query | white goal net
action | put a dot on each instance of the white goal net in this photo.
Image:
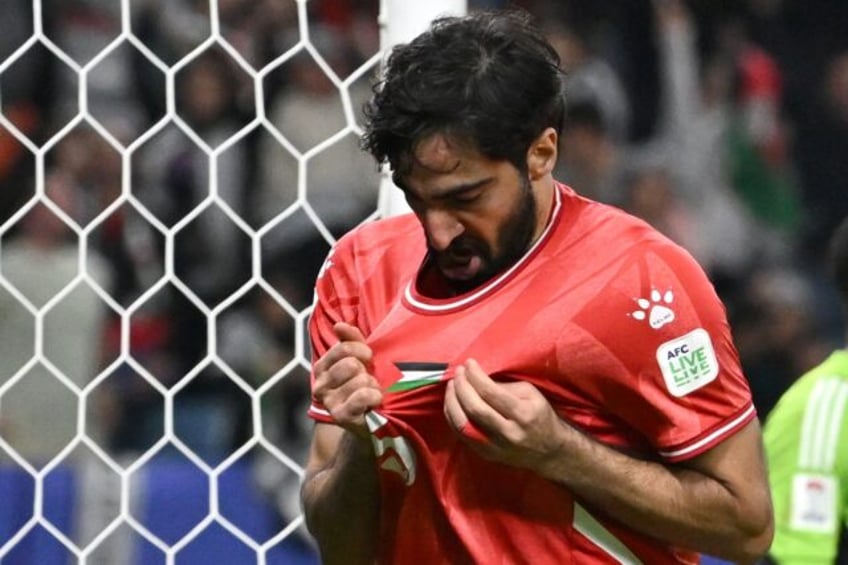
(172, 174)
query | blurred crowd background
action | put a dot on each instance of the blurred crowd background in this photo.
(724, 123)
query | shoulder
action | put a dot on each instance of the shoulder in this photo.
(382, 236)
(371, 242)
(633, 272)
(634, 255)
(381, 247)
(599, 226)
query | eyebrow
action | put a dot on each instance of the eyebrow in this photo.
(458, 189)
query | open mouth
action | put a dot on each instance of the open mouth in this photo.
(460, 266)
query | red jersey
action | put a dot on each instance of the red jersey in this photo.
(617, 326)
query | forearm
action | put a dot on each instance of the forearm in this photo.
(681, 506)
(341, 504)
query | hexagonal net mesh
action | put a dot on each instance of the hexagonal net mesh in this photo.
(172, 174)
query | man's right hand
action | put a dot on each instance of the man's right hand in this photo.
(343, 382)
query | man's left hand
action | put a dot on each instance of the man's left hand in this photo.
(507, 422)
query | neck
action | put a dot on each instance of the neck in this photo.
(543, 189)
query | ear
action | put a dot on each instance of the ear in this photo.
(542, 155)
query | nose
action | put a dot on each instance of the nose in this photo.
(441, 228)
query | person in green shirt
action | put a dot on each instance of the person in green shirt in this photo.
(806, 441)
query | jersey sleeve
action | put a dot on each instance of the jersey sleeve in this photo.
(335, 300)
(806, 437)
(669, 368)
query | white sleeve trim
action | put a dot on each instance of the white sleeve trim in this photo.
(711, 437)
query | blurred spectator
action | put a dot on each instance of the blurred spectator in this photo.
(695, 122)
(210, 252)
(27, 87)
(822, 146)
(82, 29)
(15, 29)
(257, 340)
(774, 333)
(589, 77)
(649, 193)
(171, 29)
(307, 112)
(174, 178)
(688, 151)
(590, 160)
(40, 260)
(352, 21)
(761, 170)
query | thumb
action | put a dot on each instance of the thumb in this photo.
(347, 332)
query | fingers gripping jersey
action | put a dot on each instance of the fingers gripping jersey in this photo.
(617, 326)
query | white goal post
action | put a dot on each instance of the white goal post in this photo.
(400, 21)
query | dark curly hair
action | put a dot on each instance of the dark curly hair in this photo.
(489, 79)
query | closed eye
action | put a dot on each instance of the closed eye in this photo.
(466, 198)
(468, 194)
(462, 196)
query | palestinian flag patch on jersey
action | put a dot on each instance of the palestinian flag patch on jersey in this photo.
(415, 374)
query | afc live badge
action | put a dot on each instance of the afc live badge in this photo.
(688, 362)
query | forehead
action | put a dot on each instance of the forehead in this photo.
(440, 160)
(439, 153)
(440, 164)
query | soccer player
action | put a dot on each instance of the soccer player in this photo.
(514, 373)
(806, 439)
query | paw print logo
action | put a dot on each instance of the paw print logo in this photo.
(655, 309)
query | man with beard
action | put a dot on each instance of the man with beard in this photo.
(514, 373)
